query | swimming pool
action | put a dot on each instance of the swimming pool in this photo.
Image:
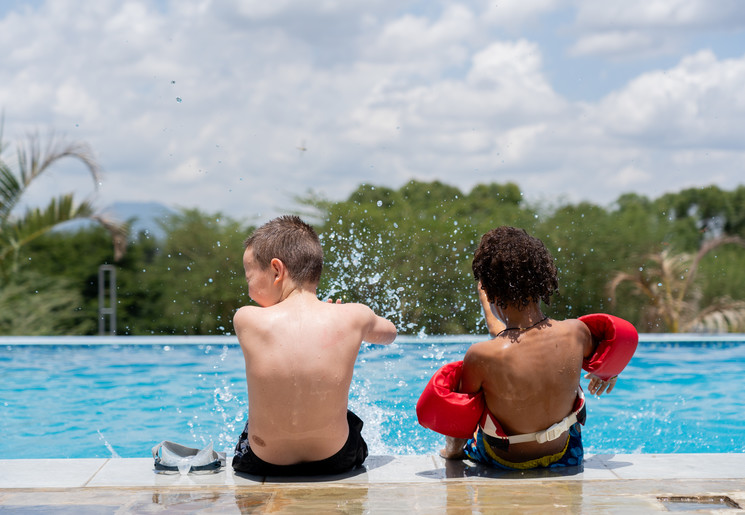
(119, 398)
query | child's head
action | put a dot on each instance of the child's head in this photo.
(293, 242)
(514, 268)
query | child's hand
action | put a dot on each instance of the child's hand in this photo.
(597, 386)
(331, 301)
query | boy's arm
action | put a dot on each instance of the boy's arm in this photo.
(596, 386)
(470, 382)
(379, 330)
(493, 324)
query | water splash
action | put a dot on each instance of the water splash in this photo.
(108, 445)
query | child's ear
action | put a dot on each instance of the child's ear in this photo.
(278, 269)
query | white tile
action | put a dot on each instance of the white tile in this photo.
(596, 467)
(679, 466)
(408, 469)
(140, 472)
(133, 472)
(48, 473)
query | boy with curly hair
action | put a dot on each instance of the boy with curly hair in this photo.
(299, 353)
(530, 371)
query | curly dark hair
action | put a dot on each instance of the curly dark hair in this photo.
(514, 268)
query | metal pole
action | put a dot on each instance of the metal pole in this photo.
(103, 309)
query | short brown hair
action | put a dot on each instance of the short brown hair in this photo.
(293, 242)
(514, 268)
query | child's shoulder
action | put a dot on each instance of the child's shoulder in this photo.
(356, 307)
(248, 314)
(352, 312)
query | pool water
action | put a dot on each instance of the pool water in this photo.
(76, 401)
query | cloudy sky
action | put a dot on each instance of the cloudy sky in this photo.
(239, 106)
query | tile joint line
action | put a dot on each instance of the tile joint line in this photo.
(96, 472)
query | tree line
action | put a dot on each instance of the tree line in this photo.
(673, 263)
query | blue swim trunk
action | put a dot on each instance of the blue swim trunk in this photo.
(478, 450)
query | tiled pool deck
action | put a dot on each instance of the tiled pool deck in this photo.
(621, 483)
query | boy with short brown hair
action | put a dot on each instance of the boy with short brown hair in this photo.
(300, 354)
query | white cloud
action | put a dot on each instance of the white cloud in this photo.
(660, 14)
(696, 103)
(630, 176)
(616, 42)
(634, 28)
(379, 93)
(515, 14)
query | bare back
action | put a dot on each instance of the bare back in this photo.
(530, 379)
(300, 357)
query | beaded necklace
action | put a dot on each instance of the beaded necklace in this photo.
(521, 328)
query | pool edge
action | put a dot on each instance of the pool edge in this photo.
(138, 472)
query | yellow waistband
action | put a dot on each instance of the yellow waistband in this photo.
(543, 461)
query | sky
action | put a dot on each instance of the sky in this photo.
(240, 107)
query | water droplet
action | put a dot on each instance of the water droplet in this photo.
(178, 99)
(380, 203)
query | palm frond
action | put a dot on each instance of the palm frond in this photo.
(10, 191)
(674, 296)
(119, 234)
(33, 160)
(36, 221)
(724, 315)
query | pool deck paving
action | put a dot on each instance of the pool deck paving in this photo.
(605, 483)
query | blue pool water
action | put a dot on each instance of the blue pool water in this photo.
(113, 399)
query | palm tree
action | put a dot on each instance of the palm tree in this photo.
(674, 296)
(32, 161)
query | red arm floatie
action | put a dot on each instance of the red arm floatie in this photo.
(442, 409)
(618, 339)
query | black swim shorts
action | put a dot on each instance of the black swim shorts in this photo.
(351, 456)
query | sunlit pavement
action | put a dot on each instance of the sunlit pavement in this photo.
(387, 484)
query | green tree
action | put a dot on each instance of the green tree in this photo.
(72, 257)
(405, 252)
(191, 281)
(38, 305)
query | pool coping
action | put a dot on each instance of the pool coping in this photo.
(139, 472)
(83, 340)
